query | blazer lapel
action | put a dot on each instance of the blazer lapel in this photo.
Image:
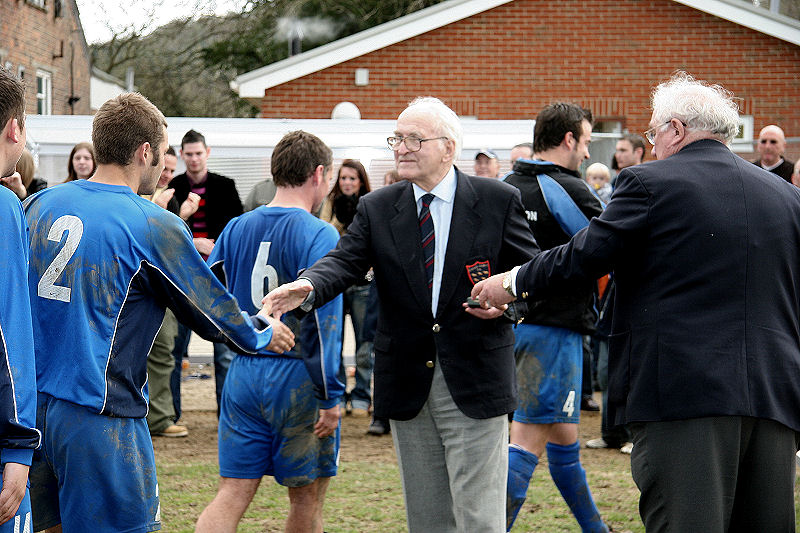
(405, 230)
(463, 227)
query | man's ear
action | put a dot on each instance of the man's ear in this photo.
(143, 151)
(569, 140)
(318, 176)
(13, 131)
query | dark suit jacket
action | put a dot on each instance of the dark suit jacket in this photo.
(705, 248)
(222, 200)
(476, 356)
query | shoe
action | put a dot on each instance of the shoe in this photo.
(379, 427)
(173, 431)
(597, 443)
(627, 448)
(588, 404)
(359, 413)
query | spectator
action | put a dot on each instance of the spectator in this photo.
(771, 146)
(521, 151)
(487, 165)
(599, 177)
(351, 184)
(24, 182)
(796, 175)
(262, 193)
(218, 203)
(391, 177)
(81, 163)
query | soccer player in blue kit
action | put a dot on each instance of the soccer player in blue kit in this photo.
(280, 413)
(104, 265)
(18, 438)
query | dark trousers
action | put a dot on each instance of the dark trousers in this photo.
(179, 352)
(725, 474)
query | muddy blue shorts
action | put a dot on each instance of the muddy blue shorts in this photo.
(21, 522)
(266, 423)
(93, 472)
(549, 373)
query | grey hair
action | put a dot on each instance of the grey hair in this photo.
(700, 106)
(445, 120)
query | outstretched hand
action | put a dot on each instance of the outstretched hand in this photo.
(285, 298)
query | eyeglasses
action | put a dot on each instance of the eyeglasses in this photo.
(413, 144)
(650, 134)
(770, 141)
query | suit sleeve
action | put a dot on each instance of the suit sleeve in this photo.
(347, 263)
(18, 436)
(321, 334)
(196, 296)
(593, 251)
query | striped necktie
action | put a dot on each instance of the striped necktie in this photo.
(428, 237)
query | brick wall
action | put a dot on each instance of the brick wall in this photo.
(508, 62)
(31, 36)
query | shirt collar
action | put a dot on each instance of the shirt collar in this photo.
(445, 190)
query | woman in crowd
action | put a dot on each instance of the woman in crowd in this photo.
(339, 209)
(81, 162)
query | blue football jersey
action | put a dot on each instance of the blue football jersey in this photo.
(268, 247)
(18, 437)
(104, 265)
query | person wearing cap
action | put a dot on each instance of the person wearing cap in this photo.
(487, 165)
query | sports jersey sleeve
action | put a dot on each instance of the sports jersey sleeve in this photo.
(196, 296)
(18, 436)
(321, 333)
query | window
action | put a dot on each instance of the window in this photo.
(37, 3)
(44, 93)
(743, 142)
(21, 72)
(58, 8)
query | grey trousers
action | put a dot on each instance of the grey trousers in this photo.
(721, 474)
(453, 467)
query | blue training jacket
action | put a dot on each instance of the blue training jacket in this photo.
(104, 265)
(18, 437)
(270, 246)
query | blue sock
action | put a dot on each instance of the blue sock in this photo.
(521, 464)
(570, 478)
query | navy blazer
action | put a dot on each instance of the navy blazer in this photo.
(705, 247)
(476, 356)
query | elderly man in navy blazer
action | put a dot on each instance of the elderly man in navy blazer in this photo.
(444, 372)
(704, 362)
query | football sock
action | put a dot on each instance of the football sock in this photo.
(521, 464)
(570, 478)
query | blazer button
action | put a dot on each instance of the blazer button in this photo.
(436, 329)
(429, 364)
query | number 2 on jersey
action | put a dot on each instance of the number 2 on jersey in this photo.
(262, 270)
(47, 287)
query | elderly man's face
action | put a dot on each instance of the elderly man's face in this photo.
(486, 167)
(771, 145)
(431, 162)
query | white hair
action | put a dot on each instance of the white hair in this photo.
(700, 106)
(445, 120)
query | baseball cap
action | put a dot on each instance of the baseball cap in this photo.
(488, 153)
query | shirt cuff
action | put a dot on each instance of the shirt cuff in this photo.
(308, 303)
(23, 456)
(514, 272)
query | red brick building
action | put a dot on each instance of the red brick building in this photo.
(43, 42)
(505, 59)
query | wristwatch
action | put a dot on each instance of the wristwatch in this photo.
(507, 284)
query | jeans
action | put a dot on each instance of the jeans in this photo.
(357, 304)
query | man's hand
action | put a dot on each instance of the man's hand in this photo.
(490, 292)
(15, 479)
(286, 297)
(164, 198)
(328, 422)
(485, 314)
(189, 206)
(203, 245)
(282, 336)
(14, 182)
